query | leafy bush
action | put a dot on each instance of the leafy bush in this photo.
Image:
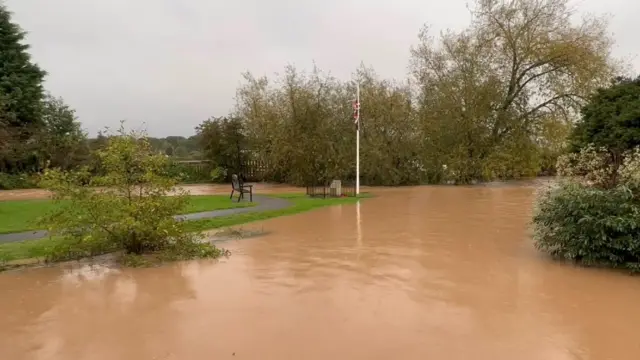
(223, 141)
(219, 175)
(593, 215)
(76, 247)
(131, 211)
(592, 165)
(18, 181)
(590, 225)
(189, 173)
(611, 118)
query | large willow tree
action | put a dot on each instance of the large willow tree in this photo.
(495, 96)
(496, 100)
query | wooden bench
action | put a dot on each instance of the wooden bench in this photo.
(241, 188)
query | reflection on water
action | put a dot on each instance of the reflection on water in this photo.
(416, 273)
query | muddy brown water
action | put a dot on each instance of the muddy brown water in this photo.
(193, 189)
(415, 273)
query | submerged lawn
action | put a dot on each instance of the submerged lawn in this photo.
(23, 215)
(299, 203)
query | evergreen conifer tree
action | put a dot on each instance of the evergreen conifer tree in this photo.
(21, 80)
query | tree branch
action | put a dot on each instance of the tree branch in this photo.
(550, 101)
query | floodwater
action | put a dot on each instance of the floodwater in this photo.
(415, 273)
(193, 189)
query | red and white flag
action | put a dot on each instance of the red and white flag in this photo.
(356, 113)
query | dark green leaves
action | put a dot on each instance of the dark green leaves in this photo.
(611, 118)
(589, 225)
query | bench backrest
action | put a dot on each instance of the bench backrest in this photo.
(235, 182)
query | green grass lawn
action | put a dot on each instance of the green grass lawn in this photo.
(299, 203)
(23, 215)
(31, 249)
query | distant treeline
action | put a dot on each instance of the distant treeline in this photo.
(179, 147)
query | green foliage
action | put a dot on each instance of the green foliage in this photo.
(34, 249)
(219, 174)
(494, 100)
(18, 181)
(74, 248)
(20, 79)
(24, 215)
(190, 172)
(177, 147)
(35, 128)
(224, 144)
(134, 260)
(592, 165)
(492, 96)
(611, 119)
(189, 250)
(593, 215)
(302, 129)
(512, 160)
(594, 226)
(299, 128)
(131, 212)
(490, 101)
(21, 93)
(62, 142)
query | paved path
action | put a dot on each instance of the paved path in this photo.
(265, 203)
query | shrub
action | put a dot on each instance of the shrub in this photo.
(18, 181)
(592, 165)
(188, 173)
(131, 211)
(593, 215)
(589, 225)
(611, 118)
(219, 175)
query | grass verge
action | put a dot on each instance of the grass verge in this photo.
(299, 203)
(23, 215)
(38, 249)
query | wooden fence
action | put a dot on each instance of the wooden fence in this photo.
(254, 170)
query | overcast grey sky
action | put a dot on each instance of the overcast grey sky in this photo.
(173, 63)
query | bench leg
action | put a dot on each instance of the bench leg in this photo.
(251, 195)
(240, 196)
(231, 197)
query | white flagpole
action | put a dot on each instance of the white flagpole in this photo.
(358, 140)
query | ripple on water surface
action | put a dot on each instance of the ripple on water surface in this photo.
(415, 273)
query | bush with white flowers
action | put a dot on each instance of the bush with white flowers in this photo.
(591, 215)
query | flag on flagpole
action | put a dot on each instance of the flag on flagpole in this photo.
(356, 113)
(356, 121)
